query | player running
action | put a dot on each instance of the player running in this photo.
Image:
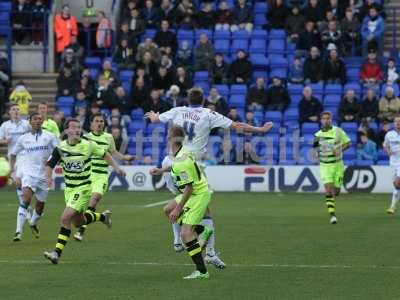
(49, 125)
(330, 143)
(37, 145)
(99, 176)
(75, 155)
(190, 210)
(392, 148)
(197, 123)
(10, 131)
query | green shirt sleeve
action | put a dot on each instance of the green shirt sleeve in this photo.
(111, 147)
(97, 150)
(344, 138)
(183, 172)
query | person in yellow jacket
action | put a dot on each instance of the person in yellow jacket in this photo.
(48, 125)
(21, 97)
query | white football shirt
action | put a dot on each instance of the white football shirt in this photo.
(197, 123)
(36, 148)
(13, 130)
(392, 141)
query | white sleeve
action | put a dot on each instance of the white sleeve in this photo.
(168, 115)
(218, 120)
(2, 132)
(386, 141)
(18, 146)
(54, 141)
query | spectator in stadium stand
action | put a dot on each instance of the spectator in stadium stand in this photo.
(314, 12)
(310, 37)
(336, 8)
(278, 98)
(66, 82)
(108, 73)
(203, 54)
(350, 27)
(80, 100)
(332, 35)
(90, 81)
(367, 5)
(219, 70)
(65, 26)
(124, 56)
(20, 19)
(154, 103)
(334, 69)
(296, 71)
(137, 24)
(58, 117)
(163, 80)
(141, 73)
(121, 144)
(257, 97)
(126, 34)
(168, 12)
(77, 49)
(184, 55)
(172, 96)
(127, 7)
(241, 69)
(123, 104)
(5, 81)
(87, 34)
(309, 107)
(187, 23)
(369, 107)
(301, 4)
(166, 62)
(349, 108)
(115, 118)
(294, 24)
(380, 138)
(366, 129)
(166, 39)
(183, 80)
(391, 75)
(277, 15)
(242, 17)
(104, 31)
(372, 30)
(21, 96)
(185, 8)
(82, 116)
(148, 46)
(217, 101)
(69, 59)
(313, 67)
(205, 18)
(323, 25)
(105, 93)
(223, 16)
(151, 14)
(371, 74)
(389, 105)
(234, 115)
(367, 149)
(140, 93)
(86, 87)
(148, 65)
(39, 10)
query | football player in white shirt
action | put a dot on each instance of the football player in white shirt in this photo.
(392, 147)
(197, 122)
(10, 131)
(38, 146)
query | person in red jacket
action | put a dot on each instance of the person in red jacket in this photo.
(371, 71)
(65, 26)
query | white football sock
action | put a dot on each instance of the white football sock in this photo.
(20, 195)
(176, 228)
(35, 218)
(208, 222)
(395, 198)
(21, 218)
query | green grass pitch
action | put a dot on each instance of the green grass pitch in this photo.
(276, 246)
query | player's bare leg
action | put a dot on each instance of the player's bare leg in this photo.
(176, 228)
(94, 200)
(395, 196)
(22, 213)
(330, 192)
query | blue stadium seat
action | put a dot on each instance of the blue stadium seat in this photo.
(382, 163)
(137, 114)
(92, 62)
(258, 46)
(260, 20)
(394, 86)
(199, 32)
(290, 50)
(278, 72)
(278, 62)
(189, 42)
(317, 88)
(94, 73)
(65, 101)
(149, 33)
(295, 100)
(366, 162)
(331, 100)
(353, 86)
(382, 155)
(201, 76)
(239, 45)
(183, 34)
(203, 85)
(349, 127)
(259, 74)
(295, 89)
(136, 126)
(259, 116)
(126, 75)
(291, 114)
(259, 61)
(223, 89)
(222, 35)
(350, 154)
(353, 62)
(353, 74)
(259, 34)
(238, 101)
(273, 116)
(240, 35)
(277, 34)
(240, 89)
(336, 89)
(260, 7)
(222, 46)
(66, 110)
(308, 127)
(127, 87)
(5, 6)
(276, 46)
(306, 156)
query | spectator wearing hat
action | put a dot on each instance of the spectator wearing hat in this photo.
(313, 67)
(241, 69)
(334, 69)
(278, 98)
(349, 108)
(296, 71)
(217, 101)
(257, 96)
(309, 107)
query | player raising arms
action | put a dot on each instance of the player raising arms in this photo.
(10, 131)
(392, 147)
(330, 143)
(75, 155)
(99, 176)
(38, 145)
(197, 123)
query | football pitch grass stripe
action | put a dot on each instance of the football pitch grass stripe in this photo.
(156, 203)
(250, 266)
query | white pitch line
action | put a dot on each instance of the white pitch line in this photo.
(156, 204)
(258, 266)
